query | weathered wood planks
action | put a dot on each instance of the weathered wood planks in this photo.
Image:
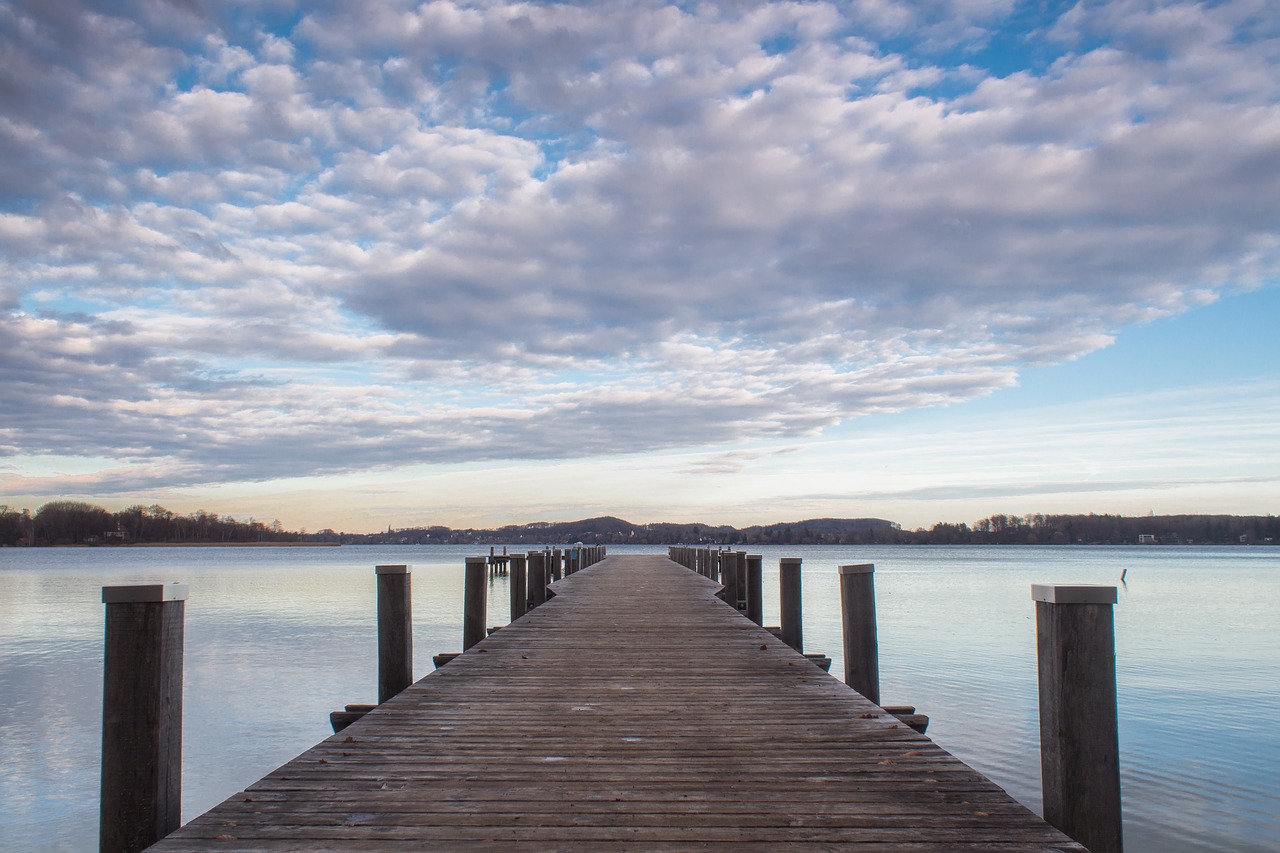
(634, 711)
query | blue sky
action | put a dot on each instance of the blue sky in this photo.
(477, 263)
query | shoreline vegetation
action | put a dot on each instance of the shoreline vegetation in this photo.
(75, 523)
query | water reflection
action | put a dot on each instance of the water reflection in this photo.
(276, 638)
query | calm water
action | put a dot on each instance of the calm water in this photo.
(277, 638)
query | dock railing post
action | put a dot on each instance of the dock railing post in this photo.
(519, 587)
(791, 607)
(395, 631)
(729, 577)
(1079, 736)
(755, 588)
(858, 620)
(141, 715)
(537, 578)
(743, 593)
(474, 593)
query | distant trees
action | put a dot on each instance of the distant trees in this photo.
(999, 529)
(1037, 529)
(16, 528)
(79, 523)
(72, 523)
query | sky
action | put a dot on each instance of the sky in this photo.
(476, 263)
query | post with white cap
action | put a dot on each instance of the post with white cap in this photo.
(1079, 738)
(791, 613)
(395, 631)
(141, 715)
(861, 646)
(474, 601)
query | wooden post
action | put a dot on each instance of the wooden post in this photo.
(858, 619)
(791, 610)
(537, 578)
(519, 589)
(557, 560)
(741, 565)
(395, 631)
(474, 593)
(141, 715)
(755, 588)
(1079, 737)
(729, 577)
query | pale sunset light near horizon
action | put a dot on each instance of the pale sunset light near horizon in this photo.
(408, 263)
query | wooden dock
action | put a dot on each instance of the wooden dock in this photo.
(634, 711)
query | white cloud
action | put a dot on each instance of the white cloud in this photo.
(667, 227)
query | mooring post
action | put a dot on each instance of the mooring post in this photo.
(741, 565)
(858, 620)
(1079, 736)
(791, 608)
(537, 578)
(557, 561)
(729, 577)
(755, 588)
(395, 631)
(141, 715)
(474, 593)
(519, 589)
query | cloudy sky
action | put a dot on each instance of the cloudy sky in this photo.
(351, 265)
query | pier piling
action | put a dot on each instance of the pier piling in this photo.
(729, 577)
(537, 571)
(519, 587)
(791, 607)
(395, 631)
(755, 588)
(141, 715)
(474, 593)
(858, 618)
(1079, 737)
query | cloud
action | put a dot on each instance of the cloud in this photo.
(240, 247)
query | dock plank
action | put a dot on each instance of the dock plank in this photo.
(633, 711)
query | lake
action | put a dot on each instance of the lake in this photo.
(278, 637)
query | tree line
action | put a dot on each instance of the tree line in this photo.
(1038, 529)
(1000, 529)
(79, 523)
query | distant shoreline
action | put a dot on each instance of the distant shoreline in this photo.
(222, 545)
(194, 545)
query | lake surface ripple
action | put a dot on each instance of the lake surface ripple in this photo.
(278, 637)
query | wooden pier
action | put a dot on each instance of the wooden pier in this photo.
(633, 711)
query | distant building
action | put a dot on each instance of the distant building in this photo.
(1146, 539)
